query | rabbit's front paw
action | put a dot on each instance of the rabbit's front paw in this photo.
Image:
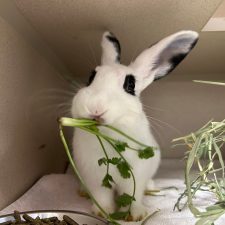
(150, 185)
(138, 212)
(108, 209)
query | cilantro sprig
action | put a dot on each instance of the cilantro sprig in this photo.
(121, 164)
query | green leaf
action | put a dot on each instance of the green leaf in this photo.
(146, 153)
(119, 215)
(114, 160)
(124, 169)
(107, 180)
(120, 146)
(102, 161)
(124, 200)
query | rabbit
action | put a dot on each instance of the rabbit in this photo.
(112, 96)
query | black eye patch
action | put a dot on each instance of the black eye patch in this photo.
(92, 77)
(129, 84)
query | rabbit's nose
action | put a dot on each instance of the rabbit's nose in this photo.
(98, 116)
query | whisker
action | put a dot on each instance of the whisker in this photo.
(152, 125)
(66, 112)
(155, 122)
(55, 109)
(162, 122)
(57, 91)
(167, 124)
(51, 97)
(71, 79)
(158, 135)
(58, 105)
(154, 108)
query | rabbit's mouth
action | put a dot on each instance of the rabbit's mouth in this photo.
(99, 117)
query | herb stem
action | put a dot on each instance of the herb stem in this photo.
(77, 172)
(134, 181)
(95, 133)
(104, 150)
(125, 135)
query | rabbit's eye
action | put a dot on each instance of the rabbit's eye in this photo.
(92, 77)
(129, 84)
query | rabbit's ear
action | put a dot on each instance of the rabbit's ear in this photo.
(110, 49)
(161, 58)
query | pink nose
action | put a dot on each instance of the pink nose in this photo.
(97, 116)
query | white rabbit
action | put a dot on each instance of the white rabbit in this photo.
(112, 97)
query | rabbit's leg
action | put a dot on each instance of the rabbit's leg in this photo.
(138, 210)
(105, 198)
(82, 192)
(150, 185)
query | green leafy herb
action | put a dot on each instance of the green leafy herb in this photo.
(124, 169)
(124, 200)
(121, 146)
(107, 180)
(119, 162)
(114, 160)
(146, 153)
(102, 161)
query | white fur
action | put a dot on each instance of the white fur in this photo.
(123, 111)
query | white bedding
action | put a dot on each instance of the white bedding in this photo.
(59, 191)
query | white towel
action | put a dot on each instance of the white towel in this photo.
(60, 191)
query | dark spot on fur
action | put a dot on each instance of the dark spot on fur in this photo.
(116, 44)
(92, 77)
(129, 84)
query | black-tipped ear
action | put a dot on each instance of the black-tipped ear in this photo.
(110, 49)
(174, 53)
(161, 58)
